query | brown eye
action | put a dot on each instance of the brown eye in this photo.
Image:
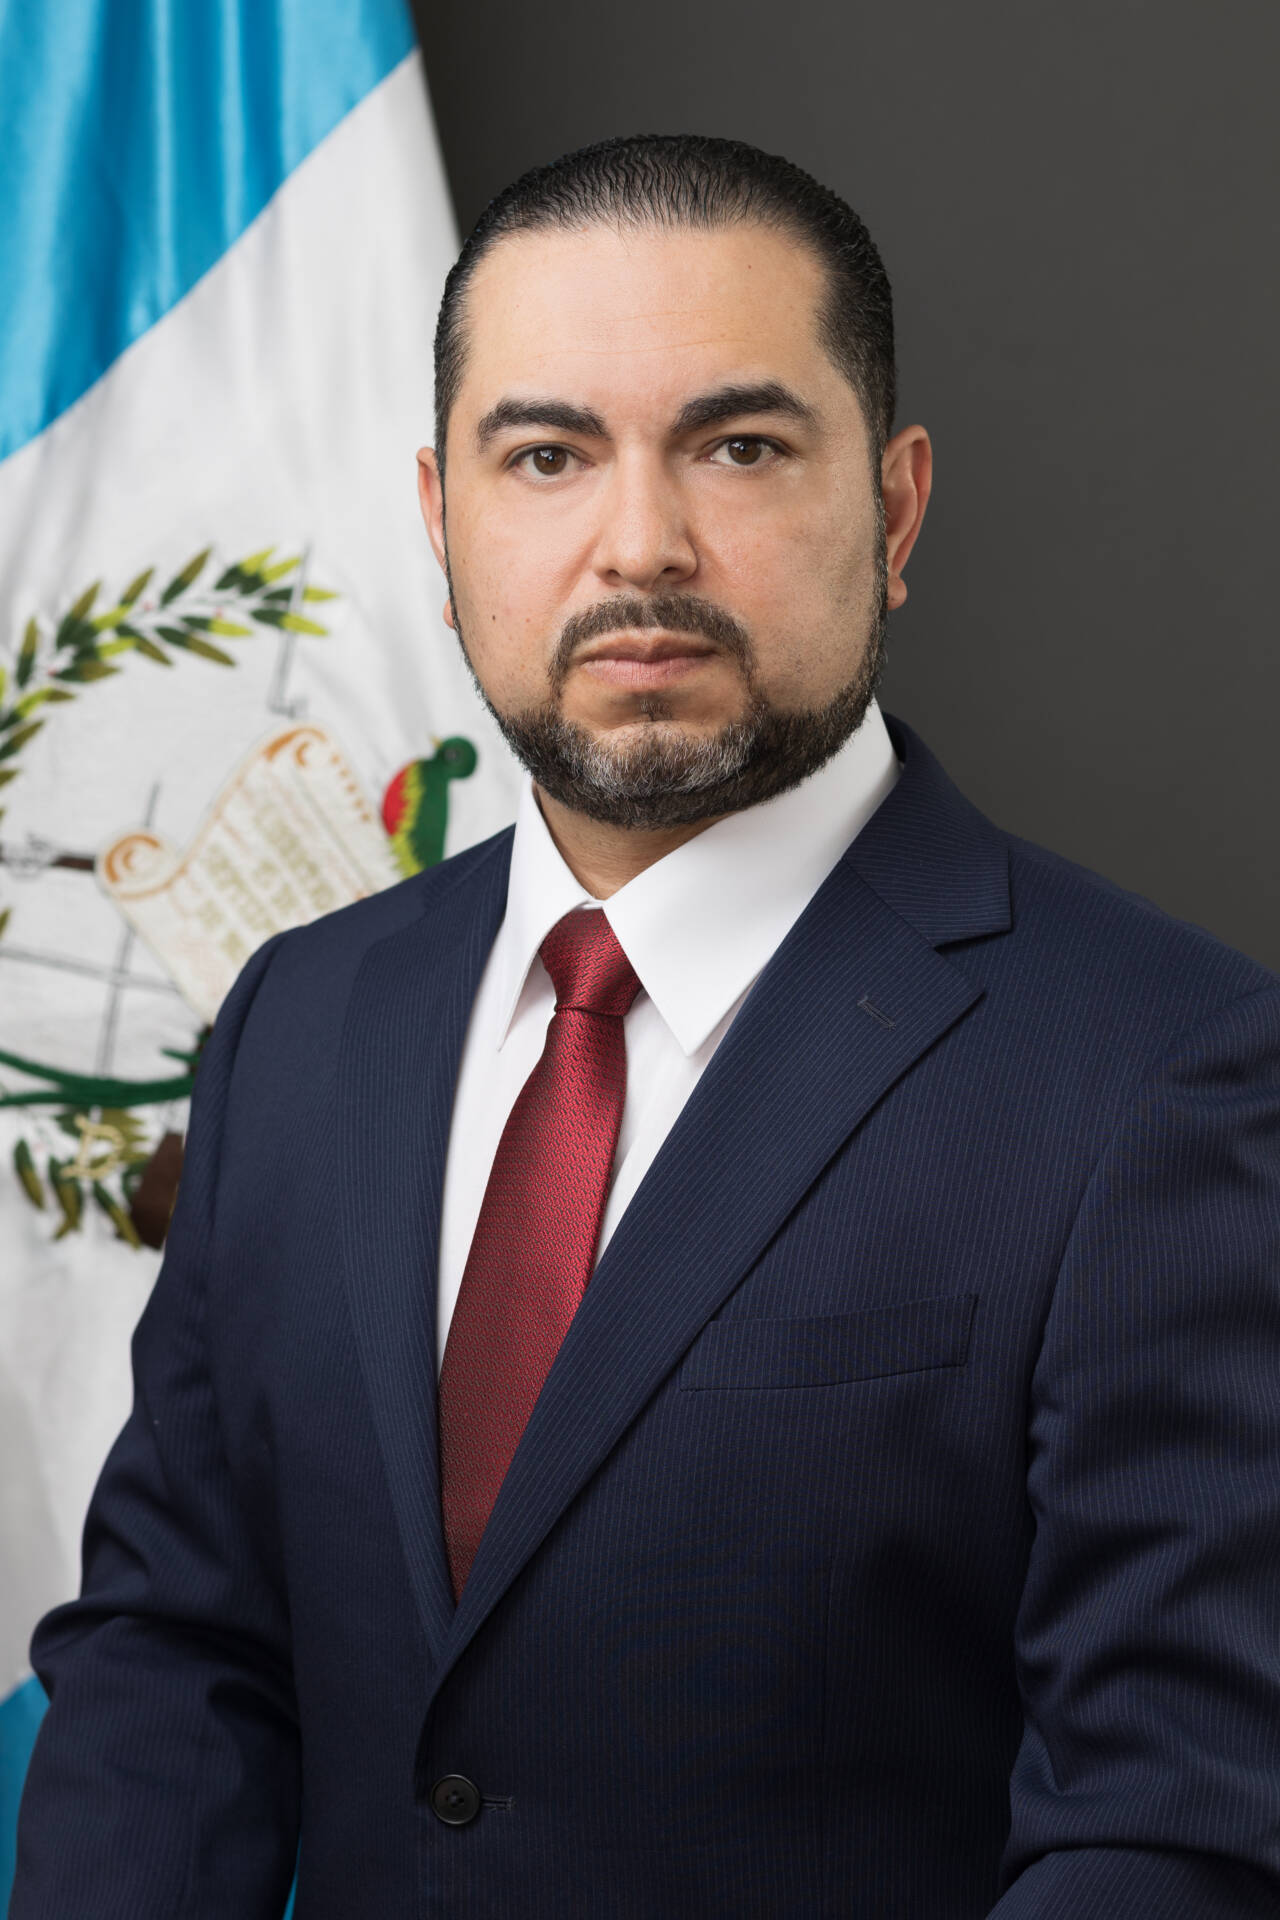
(547, 460)
(746, 450)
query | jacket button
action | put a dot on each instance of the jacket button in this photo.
(455, 1799)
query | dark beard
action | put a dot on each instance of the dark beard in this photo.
(659, 777)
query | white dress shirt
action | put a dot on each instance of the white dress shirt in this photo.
(698, 926)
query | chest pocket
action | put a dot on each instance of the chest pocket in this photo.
(826, 1351)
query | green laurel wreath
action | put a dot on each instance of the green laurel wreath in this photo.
(71, 1191)
(184, 617)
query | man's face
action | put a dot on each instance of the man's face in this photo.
(665, 548)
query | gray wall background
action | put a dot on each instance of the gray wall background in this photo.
(1077, 207)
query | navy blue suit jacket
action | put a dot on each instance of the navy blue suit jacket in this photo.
(897, 1534)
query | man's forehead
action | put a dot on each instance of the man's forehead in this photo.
(610, 307)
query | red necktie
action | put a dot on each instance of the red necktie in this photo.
(535, 1241)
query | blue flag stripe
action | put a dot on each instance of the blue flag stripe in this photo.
(20, 1716)
(142, 137)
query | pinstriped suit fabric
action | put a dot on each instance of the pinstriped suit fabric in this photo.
(896, 1533)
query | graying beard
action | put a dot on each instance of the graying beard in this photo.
(656, 763)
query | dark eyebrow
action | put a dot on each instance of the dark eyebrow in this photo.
(732, 402)
(708, 410)
(538, 413)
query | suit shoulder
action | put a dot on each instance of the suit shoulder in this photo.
(319, 959)
(1109, 938)
(1068, 934)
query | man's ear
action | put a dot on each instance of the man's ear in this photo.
(431, 500)
(906, 481)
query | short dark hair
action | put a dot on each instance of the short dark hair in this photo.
(694, 180)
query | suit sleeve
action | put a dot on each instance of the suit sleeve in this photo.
(1148, 1642)
(165, 1775)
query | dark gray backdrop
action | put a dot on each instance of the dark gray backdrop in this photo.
(1078, 210)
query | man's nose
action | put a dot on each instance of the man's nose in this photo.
(645, 539)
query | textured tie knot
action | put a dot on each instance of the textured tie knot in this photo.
(588, 968)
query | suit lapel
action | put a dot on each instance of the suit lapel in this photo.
(854, 996)
(398, 1064)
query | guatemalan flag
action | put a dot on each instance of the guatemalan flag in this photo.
(227, 699)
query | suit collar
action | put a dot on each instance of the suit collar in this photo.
(397, 1064)
(930, 855)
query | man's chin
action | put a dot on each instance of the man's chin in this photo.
(650, 734)
(649, 772)
(656, 772)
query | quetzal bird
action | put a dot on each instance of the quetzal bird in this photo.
(415, 806)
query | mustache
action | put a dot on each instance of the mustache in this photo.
(672, 612)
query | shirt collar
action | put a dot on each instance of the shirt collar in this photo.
(701, 923)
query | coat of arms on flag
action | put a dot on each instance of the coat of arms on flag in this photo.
(227, 700)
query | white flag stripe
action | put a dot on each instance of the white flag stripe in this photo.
(278, 404)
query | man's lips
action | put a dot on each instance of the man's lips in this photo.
(645, 660)
(646, 646)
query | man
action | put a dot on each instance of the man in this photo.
(849, 1237)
